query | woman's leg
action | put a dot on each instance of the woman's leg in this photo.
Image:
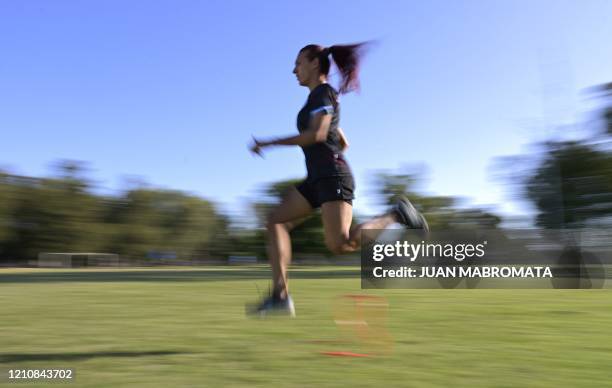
(282, 219)
(337, 218)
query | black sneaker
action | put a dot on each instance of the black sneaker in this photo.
(409, 216)
(273, 306)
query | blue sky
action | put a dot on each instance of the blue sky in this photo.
(171, 91)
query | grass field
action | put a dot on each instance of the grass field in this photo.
(187, 327)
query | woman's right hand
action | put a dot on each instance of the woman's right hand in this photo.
(256, 147)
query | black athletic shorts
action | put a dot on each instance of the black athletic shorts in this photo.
(320, 190)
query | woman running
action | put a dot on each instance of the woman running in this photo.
(329, 184)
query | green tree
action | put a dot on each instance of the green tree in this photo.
(61, 214)
(50, 214)
(572, 184)
(148, 220)
(7, 200)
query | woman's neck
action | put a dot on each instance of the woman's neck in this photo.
(316, 82)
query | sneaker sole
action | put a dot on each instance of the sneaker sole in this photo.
(405, 209)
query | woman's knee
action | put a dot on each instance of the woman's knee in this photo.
(272, 225)
(338, 245)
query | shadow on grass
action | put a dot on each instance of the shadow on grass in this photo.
(171, 275)
(24, 357)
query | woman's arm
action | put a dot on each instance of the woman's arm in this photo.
(344, 144)
(317, 133)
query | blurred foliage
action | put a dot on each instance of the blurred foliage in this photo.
(569, 182)
(442, 212)
(606, 113)
(61, 214)
(572, 185)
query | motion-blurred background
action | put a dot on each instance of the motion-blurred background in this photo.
(124, 130)
(125, 125)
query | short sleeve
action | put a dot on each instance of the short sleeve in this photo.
(323, 100)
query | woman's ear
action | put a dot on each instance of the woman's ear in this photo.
(315, 64)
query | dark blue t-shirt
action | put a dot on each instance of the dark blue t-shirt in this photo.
(323, 159)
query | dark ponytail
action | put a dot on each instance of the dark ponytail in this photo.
(346, 57)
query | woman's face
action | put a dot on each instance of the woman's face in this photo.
(305, 69)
